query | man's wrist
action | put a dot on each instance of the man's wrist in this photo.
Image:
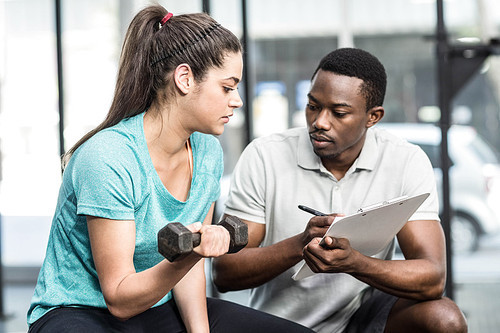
(297, 247)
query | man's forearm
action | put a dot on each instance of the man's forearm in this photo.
(418, 279)
(252, 267)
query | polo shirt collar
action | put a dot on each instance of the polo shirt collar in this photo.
(368, 156)
(307, 159)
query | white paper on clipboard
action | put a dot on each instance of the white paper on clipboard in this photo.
(371, 228)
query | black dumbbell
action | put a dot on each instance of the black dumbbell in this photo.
(175, 240)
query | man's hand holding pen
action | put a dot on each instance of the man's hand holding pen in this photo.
(318, 225)
(324, 254)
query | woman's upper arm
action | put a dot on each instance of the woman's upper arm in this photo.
(113, 245)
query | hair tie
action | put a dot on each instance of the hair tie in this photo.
(166, 18)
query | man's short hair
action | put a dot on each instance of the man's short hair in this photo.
(362, 65)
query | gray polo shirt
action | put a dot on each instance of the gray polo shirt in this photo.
(277, 173)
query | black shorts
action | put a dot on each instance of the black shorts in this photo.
(223, 317)
(373, 313)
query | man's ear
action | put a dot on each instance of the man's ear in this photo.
(374, 115)
(183, 78)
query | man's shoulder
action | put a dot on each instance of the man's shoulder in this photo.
(397, 151)
(388, 140)
(277, 148)
(288, 137)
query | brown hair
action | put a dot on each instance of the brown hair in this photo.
(152, 51)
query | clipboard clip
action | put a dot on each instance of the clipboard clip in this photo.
(383, 203)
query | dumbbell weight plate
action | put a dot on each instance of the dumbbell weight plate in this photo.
(175, 240)
(237, 228)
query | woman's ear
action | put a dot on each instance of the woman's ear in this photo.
(374, 115)
(183, 78)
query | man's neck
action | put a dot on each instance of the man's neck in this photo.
(339, 164)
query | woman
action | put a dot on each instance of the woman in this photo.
(152, 161)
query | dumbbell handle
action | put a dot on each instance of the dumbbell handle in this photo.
(175, 240)
(196, 239)
(196, 236)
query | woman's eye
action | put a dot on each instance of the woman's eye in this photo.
(227, 89)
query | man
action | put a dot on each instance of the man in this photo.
(339, 164)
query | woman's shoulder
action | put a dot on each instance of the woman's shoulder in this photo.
(107, 144)
(206, 144)
(110, 149)
(119, 139)
(206, 139)
(207, 153)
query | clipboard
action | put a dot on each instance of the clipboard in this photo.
(372, 228)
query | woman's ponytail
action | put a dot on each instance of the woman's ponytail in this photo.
(155, 44)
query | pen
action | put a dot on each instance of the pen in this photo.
(311, 211)
(317, 213)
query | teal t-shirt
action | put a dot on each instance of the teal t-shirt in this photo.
(112, 176)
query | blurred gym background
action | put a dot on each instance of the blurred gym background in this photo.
(58, 63)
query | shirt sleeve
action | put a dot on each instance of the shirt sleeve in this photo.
(103, 179)
(246, 197)
(419, 178)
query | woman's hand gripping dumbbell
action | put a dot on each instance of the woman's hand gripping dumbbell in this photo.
(175, 240)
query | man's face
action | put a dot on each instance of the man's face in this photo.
(336, 116)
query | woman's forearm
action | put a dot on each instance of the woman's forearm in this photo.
(190, 297)
(137, 292)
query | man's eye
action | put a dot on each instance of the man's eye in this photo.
(313, 107)
(227, 89)
(340, 114)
